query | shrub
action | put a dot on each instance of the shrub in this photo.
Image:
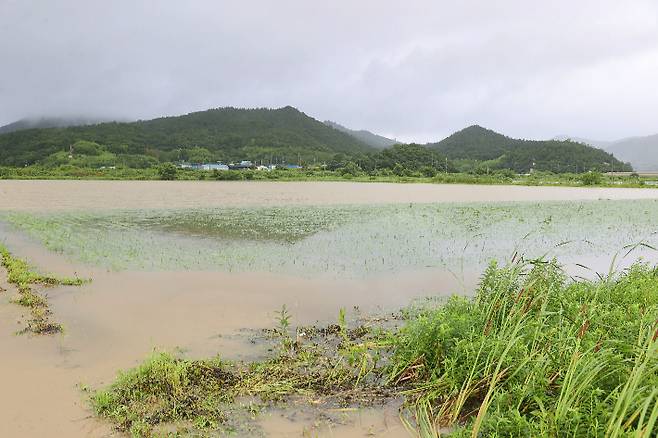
(591, 178)
(351, 169)
(428, 171)
(227, 175)
(167, 171)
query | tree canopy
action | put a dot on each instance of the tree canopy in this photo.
(476, 145)
(284, 134)
(287, 135)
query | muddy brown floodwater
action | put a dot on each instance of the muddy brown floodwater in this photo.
(76, 195)
(115, 321)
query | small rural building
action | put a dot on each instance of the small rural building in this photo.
(204, 166)
(215, 166)
(245, 164)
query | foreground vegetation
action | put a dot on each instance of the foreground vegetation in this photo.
(25, 280)
(350, 172)
(532, 354)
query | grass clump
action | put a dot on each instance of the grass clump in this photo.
(535, 355)
(165, 389)
(20, 274)
(330, 367)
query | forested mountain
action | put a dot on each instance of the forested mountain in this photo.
(286, 135)
(47, 122)
(217, 134)
(476, 146)
(367, 137)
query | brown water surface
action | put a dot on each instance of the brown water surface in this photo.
(77, 195)
(115, 321)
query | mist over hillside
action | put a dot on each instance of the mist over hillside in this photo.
(48, 122)
(641, 152)
(369, 138)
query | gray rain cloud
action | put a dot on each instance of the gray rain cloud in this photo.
(415, 70)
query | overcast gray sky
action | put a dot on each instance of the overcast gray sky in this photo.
(415, 70)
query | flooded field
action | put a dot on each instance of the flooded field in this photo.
(202, 267)
(102, 195)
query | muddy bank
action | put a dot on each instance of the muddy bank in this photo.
(77, 195)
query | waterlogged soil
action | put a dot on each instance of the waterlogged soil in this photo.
(311, 246)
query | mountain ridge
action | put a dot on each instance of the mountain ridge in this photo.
(48, 122)
(375, 140)
(640, 151)
(226, 133)
(476, 143)
(281, 135)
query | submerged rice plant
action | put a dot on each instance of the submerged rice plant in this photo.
(342, 240)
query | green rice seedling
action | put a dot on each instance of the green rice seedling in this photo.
(351, 241)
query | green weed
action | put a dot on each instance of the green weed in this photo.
(206, 393)
(535, 355)
(20, 274)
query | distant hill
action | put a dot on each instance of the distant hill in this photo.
(367, 137)
(641, 152)
(47, 122)
(478, 144)
(218, 134)
(601, 144)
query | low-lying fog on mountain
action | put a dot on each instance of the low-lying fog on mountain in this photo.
(641, 152)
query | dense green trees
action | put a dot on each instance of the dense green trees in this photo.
(287, 135)
(413, 157)
(167, 172)
(198, 155)
(400, 159)
(284, 134)
(476, 148)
